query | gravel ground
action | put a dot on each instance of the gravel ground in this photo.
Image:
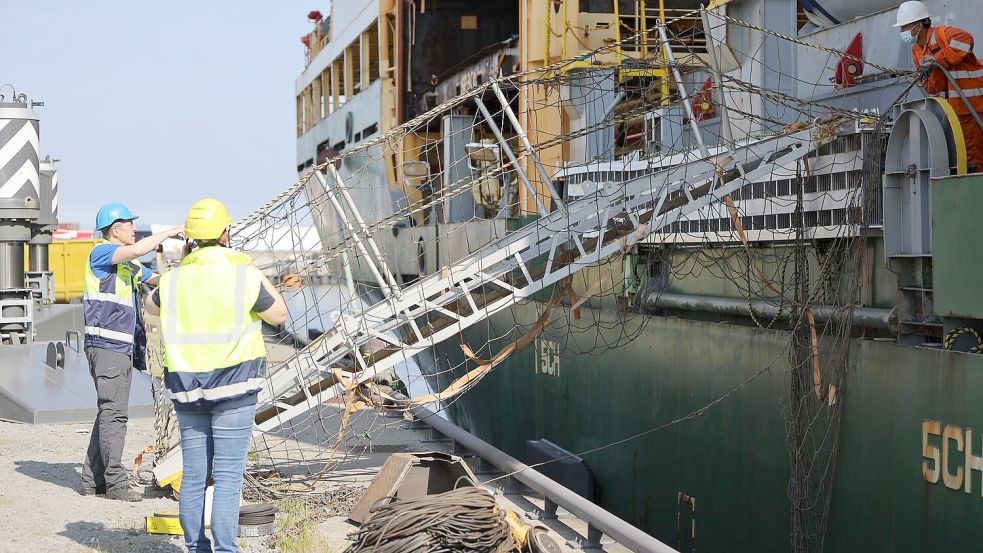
(41, 510)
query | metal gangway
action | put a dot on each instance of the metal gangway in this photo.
(559, 244)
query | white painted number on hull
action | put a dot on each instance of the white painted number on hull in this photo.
(548, 357)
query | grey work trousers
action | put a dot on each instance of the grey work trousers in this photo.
(112, 372)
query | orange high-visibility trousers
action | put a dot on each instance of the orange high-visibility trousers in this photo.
(974, 141)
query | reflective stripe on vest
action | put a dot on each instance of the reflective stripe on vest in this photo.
(213, 342)
(959, 45)
(109, 305)
(111, 334)
(968, 72)
(218, 393)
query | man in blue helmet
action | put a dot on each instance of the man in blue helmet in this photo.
(114, 342)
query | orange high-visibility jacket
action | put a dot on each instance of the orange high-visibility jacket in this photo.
(952, 48)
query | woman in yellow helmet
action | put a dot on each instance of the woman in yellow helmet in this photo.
(211, 307)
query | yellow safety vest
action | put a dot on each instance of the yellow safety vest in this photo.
(213, 342)
(109, 305)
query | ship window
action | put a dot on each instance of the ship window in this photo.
(810, 185)
(358, 136)
(370, 130)
(824, 182)
(469, 22)
(339, 146)
(784, 187)
(598, 6)
(856, 178)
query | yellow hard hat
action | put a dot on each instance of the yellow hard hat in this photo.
(207, 220)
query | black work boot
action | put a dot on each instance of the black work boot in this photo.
(92, 490)
(124, 493)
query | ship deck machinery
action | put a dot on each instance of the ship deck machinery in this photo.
(44, 374)
(835, 200)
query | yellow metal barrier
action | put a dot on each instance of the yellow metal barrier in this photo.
(66, 259)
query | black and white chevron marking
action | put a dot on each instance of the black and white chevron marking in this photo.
(19, 147)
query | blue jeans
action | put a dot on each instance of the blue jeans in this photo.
(217, 440)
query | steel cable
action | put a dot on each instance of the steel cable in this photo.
(465, 519)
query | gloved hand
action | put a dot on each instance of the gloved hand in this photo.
(925, 66)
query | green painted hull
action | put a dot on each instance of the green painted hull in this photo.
(732, 459)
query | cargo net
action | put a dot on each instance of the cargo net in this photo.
(369, 226)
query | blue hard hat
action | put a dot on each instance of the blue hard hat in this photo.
(110, 213)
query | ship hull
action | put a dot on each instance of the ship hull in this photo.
(733, 459)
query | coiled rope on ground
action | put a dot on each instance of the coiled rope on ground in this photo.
(465, 519)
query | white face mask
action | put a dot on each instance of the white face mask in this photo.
(908, 38)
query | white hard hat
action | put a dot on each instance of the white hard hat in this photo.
(911, 11)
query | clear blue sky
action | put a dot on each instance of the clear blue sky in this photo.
(157, 104)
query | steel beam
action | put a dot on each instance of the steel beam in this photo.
(508, 151)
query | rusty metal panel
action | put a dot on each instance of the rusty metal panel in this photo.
(409, 475)
(385, 484)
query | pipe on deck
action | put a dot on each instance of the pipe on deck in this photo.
(867, 317)
(608, 523)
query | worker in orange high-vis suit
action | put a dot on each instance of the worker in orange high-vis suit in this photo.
(951, 48)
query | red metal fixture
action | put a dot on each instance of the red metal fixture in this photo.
(703, 101)
(315, 16)
(849, 68)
